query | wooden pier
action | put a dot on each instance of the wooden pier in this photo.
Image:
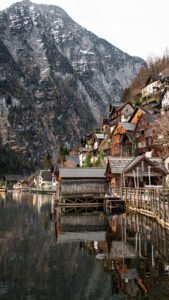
(152, 202)
(84, 202)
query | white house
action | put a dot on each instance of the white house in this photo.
(165, 100)
(153, 83)
(46, 179)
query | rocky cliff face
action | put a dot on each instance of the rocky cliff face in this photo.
(56, 80)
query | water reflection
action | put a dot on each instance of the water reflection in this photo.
(47, 254)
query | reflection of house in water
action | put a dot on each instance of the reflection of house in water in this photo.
(80, 227)
(40, 200)
(137, 275)
(36, 201)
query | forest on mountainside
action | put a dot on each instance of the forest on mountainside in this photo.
(153, 66)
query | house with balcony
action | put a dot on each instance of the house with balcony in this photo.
(152, 85)
(122, 139)
(137, 171)
(122, 113)
(144, 134)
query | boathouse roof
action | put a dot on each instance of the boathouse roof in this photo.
(118, 164)
(82, 172)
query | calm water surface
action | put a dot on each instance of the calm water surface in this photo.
(75, 257)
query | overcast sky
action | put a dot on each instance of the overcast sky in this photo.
(138, 27)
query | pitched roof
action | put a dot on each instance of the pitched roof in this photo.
(118, 164)
(126, 103)
(154, 162)
(133, 163)
(158, 162)
(128, 126)
(82, 172)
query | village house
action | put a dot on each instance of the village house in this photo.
(83, 152)
(46, 179)
(98, 138)
(122, 113)
(166, 162)
(144, 134)
(165, 101)
(122, 139)
(152, 85)
(114, 170)
(135, 172)
(143, 171)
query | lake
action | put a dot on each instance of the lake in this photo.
(67, 256)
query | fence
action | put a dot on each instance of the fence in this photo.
(152, 202)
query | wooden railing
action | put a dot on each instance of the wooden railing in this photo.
(153, 202)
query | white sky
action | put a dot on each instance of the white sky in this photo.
(138, 27)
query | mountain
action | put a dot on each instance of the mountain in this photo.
(56, 81)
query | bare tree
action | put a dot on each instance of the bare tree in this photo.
(161, 133)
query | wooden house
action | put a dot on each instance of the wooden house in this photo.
(115, 168)
(135, 172)
(82, 181)
(144, 134)
(122, 113)
(142, 171)
(122, 139)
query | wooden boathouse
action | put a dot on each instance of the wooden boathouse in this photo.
(81, 187)
(82, 181)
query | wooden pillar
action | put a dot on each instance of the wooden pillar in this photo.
(152, 255)
(136, 241)
(164, 206)
(139, 244)
(168, 207)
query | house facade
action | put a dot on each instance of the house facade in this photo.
(46, 179)
(144, 134)
(123, 113)
(153, 84)
(122, 139)
(135, 172)
(165, 100)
